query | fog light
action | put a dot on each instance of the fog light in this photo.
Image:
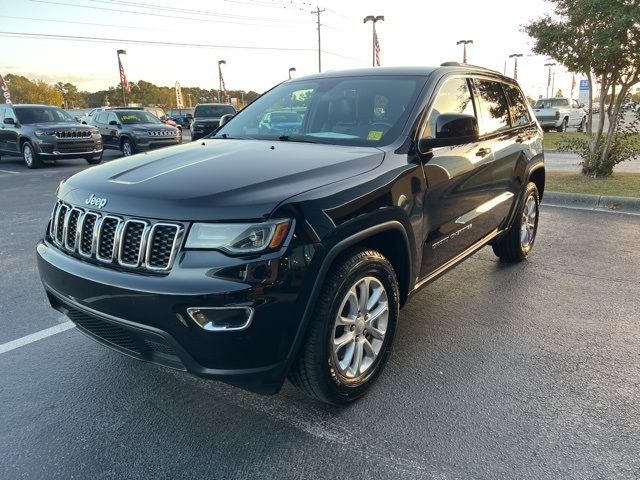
(216, 319)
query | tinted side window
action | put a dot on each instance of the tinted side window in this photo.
(519, 110)
(493, 106)
(10, 114)
(111, 118)
(453, 97)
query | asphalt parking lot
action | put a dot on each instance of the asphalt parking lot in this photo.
(498, 371)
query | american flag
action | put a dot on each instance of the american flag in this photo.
(376, 46)
(123, 77)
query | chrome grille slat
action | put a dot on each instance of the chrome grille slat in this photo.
(132, 243)
(107, 238)
(131, 249)
(87, 237)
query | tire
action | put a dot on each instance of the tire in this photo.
(94, 160)
(545, 129)
(127, 147)
(516, 244)
(329, 373)
(563, 126)
(29, 156)
(582, 124)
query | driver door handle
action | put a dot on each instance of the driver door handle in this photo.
(483, 152)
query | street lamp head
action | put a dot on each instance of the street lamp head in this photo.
(292, 69)
(550, 64)
(516, 55)
(379, 18)
(372, 18)
(464, 42)
(222, 62)
(122, 52)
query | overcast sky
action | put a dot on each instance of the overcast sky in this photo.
(417, 32)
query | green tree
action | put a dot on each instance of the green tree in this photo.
(72, 98)
(24, 90)
(601, 40)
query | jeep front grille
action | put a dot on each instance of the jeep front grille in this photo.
(114, 240)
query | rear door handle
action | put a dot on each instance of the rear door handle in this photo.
(483, 152)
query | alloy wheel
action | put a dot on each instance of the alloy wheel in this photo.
(27, 154)
(360, 327)
(126, 149)
(529, 222)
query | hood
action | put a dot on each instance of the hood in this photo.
(216, 179)
(149, 127)
(79, 127)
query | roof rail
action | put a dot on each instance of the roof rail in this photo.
(458, 64)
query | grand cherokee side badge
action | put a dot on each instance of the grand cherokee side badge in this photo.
(96, 201)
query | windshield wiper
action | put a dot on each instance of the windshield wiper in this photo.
(289, 138)
(231, 137)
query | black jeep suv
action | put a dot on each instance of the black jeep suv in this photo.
(134, 130)
(44, 133)
(254, 255)
(206, 118)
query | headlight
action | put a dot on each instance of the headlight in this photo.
(94, 131)
(140, 132)
(238, 238)
(42, 133)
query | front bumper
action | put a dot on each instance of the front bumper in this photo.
(145, 316)
(143, 144)
(57, 149)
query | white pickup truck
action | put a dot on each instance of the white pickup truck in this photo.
(559, 114)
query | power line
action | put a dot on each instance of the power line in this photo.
(173, 17)
(197, 12)
(44, 36)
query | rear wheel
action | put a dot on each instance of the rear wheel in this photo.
(351, 332)
(563, 126)
(516, 244)
(30, 157)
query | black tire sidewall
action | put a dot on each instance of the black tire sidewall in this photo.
(131, 148)
(34, 159)
(369, 266)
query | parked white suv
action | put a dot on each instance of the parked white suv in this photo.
(559, 114)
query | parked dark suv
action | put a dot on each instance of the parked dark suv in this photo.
(251, 256)
(134, 131)
(44, 133)
(206, 118)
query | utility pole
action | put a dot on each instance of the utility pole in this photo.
(123, 77)
(292, 69)
(317, 12)
(464, 44)
(550, 65)
(190, 104)
(515, 57)
(375, 46)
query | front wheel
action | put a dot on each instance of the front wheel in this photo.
(30, 157)
(127, 147)
(94, 160)
(351, 332)
(582, 124)
(516, 244)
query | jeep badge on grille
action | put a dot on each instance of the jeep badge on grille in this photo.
(96, 201)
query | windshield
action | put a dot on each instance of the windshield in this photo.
(127, 118)
(27, 115)
(213, 111)
(551, 102)
(369, 110)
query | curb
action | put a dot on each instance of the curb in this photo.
(600, 203)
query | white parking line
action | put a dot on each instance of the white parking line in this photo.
(9, 171)
(34, 337)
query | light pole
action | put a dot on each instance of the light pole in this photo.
(550, 65)
(464, 44)
(123, 78)
(515, 57)
(375, 45)
(292, 69)
(220, 62)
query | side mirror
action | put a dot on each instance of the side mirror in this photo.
(9, 121)
(225, 119)
(114, 123)
(582, 105)
(452, 129)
